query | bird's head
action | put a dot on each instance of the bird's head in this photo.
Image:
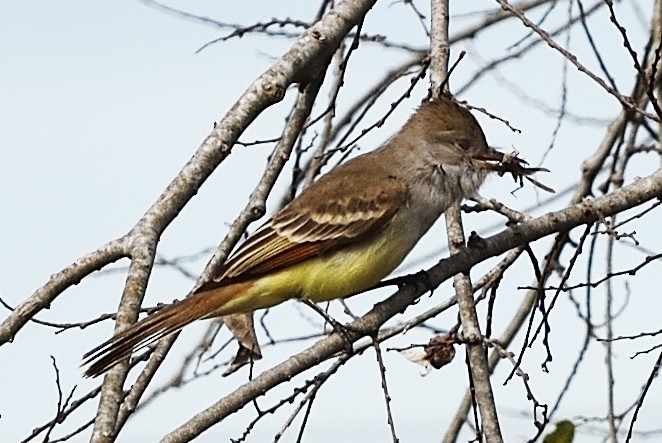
(452, 135)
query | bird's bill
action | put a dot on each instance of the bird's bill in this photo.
(497, 161)
(493, 160)
(490, 159)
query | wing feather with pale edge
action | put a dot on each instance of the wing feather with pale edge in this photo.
(321, 218)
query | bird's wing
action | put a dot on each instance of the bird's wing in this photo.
(321, 218)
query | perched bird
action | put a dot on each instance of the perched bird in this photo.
(343, 233)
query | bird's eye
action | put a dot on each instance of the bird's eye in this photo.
(464, 144)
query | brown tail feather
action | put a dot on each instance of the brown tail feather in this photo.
(151, 329)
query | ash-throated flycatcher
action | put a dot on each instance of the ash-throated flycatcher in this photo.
(343, 234)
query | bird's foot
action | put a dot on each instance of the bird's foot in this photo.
(347, 332)
(420, 280)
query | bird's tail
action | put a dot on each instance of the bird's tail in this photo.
(151, 329)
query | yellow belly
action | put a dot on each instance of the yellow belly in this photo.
(334, 274)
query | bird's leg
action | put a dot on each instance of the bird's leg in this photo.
(345, 331)
(421, 280)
